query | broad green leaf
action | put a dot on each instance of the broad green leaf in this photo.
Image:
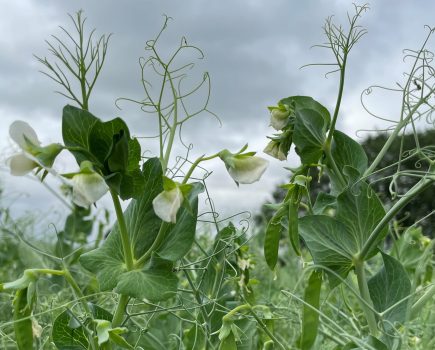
(69, 334)
(22, 328)
(347, 151)
(350, 158)
(107, 262)
(389, 287)
(103, 136)
(330, 244)
(360, 209)
(272, 237)
(309, 135)
(334, 242)
(76, 127)
(310, 316)
(67, 338)
(155, 282)
(300, 102)
(229, 343)
(324, 202)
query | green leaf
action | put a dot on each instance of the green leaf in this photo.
(104, 136)
(272, 237)
(300, 102)
(76, 126)
(347, 151)
(107, 262)
(335, 241)
(350, 158)
(324, 202)
(310, 316)
(22, 328)
(330, 244)
(360, 209)
(154, 282)
(69, 334)
(309, 135)
(389, 287)
(66, 337)
(229, 343)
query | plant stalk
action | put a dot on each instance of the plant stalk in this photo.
(367, 305)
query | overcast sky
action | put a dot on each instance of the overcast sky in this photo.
(253, 50)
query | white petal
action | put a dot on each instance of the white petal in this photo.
(18, 129)
(88, 188)
(278, 119)
(20, 164)
(247, 170)
(167, 203)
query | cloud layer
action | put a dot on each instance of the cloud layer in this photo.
(253, 51)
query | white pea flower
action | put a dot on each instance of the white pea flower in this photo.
(274, 150)
(167, 203)
(88, 186)
(25, 137)
(21, 164)
(279, 117)
(32, 155)
(244, 168)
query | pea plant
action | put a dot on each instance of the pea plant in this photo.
(145, 274)
(357, 258)
(340, 270)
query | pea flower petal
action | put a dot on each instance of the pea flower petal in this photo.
(21, 132)
(88, 188)
(247, 169)
(20, 164)
(167, 203)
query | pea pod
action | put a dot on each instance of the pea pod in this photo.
(273, 234)
(293, 219)
(22, 321)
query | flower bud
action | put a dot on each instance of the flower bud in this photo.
(274, 150)
(279, 117)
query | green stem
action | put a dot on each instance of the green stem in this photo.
(418, 305)
(125, 239)
(419, 187)
(173, 128)
(128, 258)
(338, 102)
(394, 134)
(159, 239)
(195, 164)
(118, 317)
(367, 305)
(266, 330)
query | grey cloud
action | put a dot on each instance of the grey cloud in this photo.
(253, 52)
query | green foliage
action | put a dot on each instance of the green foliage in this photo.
(190, 281)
